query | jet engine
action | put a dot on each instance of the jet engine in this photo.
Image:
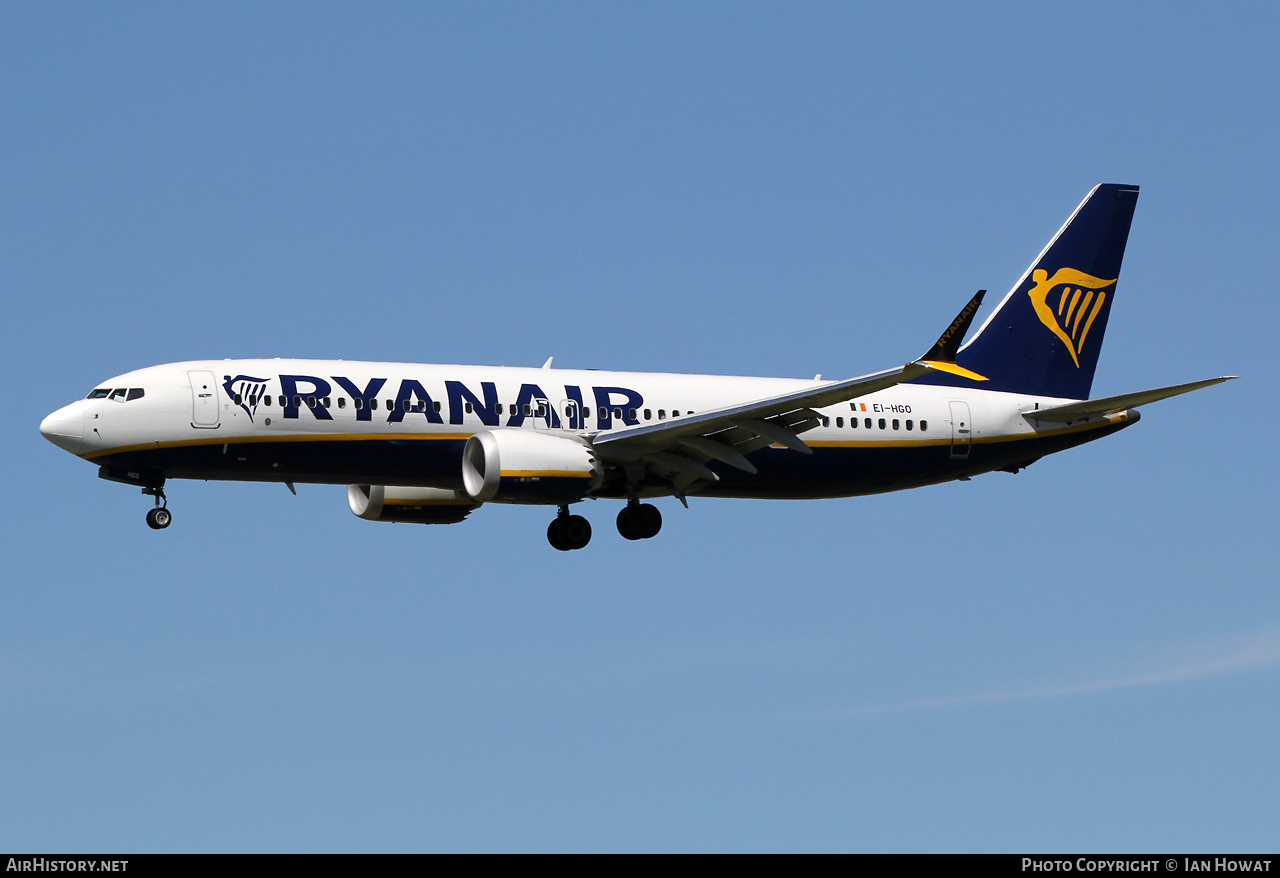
(405, 504)
(523, 466)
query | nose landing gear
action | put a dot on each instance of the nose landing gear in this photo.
(568, 532)
(160, 517)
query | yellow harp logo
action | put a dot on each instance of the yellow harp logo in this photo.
(1068, 303)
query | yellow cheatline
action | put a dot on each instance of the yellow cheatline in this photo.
(542, 473)
(428, 503)
(954, 369)
(872, 443)
(283, 437)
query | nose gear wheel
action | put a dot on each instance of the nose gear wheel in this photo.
(159, 517)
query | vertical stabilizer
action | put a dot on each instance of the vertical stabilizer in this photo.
(1044, 337)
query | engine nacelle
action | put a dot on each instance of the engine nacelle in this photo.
(524, 466)
(404, 504)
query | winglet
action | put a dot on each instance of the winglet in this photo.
(942, 355)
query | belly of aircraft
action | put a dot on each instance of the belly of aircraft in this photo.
(832, 470)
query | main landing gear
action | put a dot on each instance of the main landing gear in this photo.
(160, 517)
(568, 532)
(639, 521)
(636, 521)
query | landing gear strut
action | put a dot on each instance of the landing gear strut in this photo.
(639, 521)
(568, 532)
(160, 517)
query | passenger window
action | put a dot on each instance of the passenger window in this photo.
(528, 410)
(908, 424)
(853, 423)
(237, 399)
(617, 414)
(839, 422)
(895, 423)
(662, 414)
(631, 414)
(924, 425)
(391, 404)
(311, 402)
(826, 422)
(882, 423)
(297, 402)
(866, 422)
(326, 402)
(342, 402)
(136, 393)
(648, 414)
(497, 408)
(675, 413)
(436, 406)
(100, 393)
(358, 404)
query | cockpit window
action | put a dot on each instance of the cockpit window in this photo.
(119, 394)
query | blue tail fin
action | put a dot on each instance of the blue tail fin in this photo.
(1044, 337)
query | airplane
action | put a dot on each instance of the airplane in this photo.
(432, 443)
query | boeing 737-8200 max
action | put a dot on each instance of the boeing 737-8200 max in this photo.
(430, 443)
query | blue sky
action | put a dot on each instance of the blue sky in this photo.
(1083, 656)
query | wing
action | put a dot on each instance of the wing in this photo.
(680, 448)
(1078, 411)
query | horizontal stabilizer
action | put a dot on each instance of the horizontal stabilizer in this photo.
(1076, 411)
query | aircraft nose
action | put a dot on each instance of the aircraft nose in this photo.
(64, 427)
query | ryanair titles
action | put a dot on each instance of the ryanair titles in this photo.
(385, 400)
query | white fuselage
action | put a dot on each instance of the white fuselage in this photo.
(252, 419)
